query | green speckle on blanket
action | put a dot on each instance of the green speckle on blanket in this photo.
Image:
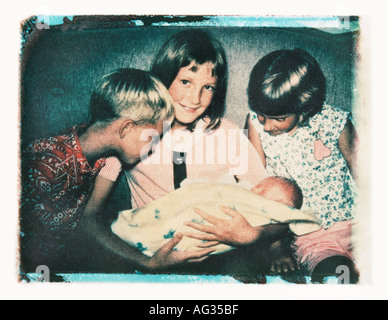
(170, 234)
(134, 211)
(157, 213)
(140, 247)
(200, 221)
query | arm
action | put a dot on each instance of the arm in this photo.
(98, 230)
(165, 257)
(103, 185)
(236, 231)
(101, 190)
(254, 138)
(348, 145)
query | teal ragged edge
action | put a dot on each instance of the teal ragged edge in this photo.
(262, 21)
(165, 279)
(335, 23)
(52, 20)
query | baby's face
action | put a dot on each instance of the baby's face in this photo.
(275, 190)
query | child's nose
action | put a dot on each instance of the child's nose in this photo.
(195, 96)
(269, 125)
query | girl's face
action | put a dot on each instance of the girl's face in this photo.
(277, 125)
(192, 91)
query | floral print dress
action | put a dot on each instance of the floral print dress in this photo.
(311, 158)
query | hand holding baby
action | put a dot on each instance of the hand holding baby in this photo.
(237, 231)
(227, 231)
(166, 256)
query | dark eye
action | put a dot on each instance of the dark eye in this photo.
(185, 82)
(209, 88)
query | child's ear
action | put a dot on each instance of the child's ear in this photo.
(125, 126)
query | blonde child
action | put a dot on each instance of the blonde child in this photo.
(299, 136)
(58, 172)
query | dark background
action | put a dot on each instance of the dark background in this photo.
(60, 67)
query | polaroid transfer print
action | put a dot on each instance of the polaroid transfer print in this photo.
(205, 149)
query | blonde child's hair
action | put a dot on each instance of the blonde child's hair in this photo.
(130, 93)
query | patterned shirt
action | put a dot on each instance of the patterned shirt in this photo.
(57, 181)
(311, 157)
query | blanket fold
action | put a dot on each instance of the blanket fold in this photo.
(150, 227)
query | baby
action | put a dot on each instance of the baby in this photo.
(281, 190)
(274, 200)
(285, 191)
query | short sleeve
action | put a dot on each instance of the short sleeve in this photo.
(112, 169)
(330, 123)
(341, 117)
(256, 123)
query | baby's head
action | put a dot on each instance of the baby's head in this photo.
(281, 190)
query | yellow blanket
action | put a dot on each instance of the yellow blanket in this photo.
(152, 226)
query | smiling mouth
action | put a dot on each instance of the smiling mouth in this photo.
(190, 110)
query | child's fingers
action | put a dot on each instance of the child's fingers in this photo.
(198, 255)
(208, 244)
(198, 260)
(201, 236)
(230, 212)
(200, 227)
(169, 246)
(206, 216)
(284, 268)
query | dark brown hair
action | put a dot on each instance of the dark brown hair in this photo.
(198, 46)
(287, 82)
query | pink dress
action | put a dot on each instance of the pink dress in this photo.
(210, 156)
